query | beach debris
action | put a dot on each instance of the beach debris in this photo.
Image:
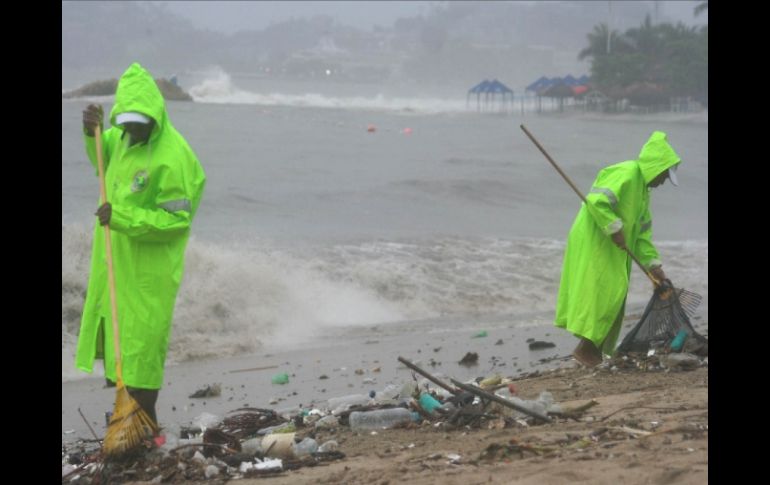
(683, 361)
(429, 376)
(480, 334)
(499, 342)
(520, 406)
(429, 403)
(212, 390)
(254, 369)
(328, 446)
(306, 447)
(541, 344)
(490, 382)
(247, 422)
(282, 378)
(278, 445)
(454, 458)
(470, 358)
(574, 412)
(219, 437)
(206, 420)
(506, 451)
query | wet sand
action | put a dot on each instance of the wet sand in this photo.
(337, 355)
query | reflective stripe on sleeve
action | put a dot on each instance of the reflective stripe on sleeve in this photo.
(176, 205)
(610, 195)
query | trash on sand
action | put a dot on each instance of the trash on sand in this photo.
(540, 344)
(212, 390)
(282, 378)
(471, 358)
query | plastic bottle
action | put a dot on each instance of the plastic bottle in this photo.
(308, 446)
(533, 405)
(340, 404)
(252, 446)
(379, 418)
(428, 403)
(678, 342)
(409, 389)
(327, 422)
(388, 394)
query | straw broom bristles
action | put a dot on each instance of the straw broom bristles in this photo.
(129, 424)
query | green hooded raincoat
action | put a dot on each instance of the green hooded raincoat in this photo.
(154, 189)
(595, 274)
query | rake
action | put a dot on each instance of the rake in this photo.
(667, 311)
(129, 423)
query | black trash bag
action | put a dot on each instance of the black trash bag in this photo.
(664, 317)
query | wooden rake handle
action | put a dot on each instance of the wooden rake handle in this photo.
(108, 252)
(582, 197)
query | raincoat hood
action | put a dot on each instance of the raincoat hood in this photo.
(656, 156)
(137, 92)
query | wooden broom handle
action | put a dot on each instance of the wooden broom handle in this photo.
(580, 194)
(108, 252)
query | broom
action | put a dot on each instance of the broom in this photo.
(129, 423)
(664, 290)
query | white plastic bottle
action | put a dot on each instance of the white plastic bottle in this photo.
(307, 446)
(341, 404)
(379, 418)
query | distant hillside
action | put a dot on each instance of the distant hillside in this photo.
(454, 43)
(170, 91)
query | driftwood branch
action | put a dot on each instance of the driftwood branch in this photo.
(576, 411)
(428, 376)
(493, 397)
(639, 407)
(254, 369)
(89, 426)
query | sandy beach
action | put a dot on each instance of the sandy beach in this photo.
(648, 427)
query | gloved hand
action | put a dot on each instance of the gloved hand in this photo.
(619, 239)
(658, 274)
(104, 212)
(92, 117)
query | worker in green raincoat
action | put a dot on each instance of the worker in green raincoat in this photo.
(596, 269)
(154, 185)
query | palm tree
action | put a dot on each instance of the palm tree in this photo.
(597, 42)
(703, 6)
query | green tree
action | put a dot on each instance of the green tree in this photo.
(672, 60)
(597, 43)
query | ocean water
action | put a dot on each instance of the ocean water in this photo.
(439, 214)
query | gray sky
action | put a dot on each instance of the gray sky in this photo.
(228, 16)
